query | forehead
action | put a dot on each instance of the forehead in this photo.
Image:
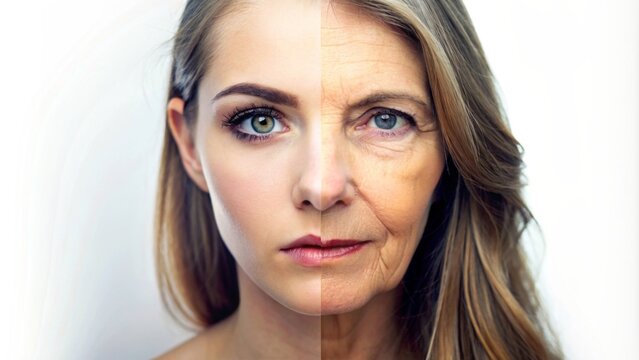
(309, 48)
(273, 43)
(360, 54)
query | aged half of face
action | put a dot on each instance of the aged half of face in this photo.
(316, 121)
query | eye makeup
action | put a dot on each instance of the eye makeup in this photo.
(254, 123)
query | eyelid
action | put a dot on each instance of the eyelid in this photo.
(369, 115)
(240, 115)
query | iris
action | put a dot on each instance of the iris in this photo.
(385, 121)
(262, 124)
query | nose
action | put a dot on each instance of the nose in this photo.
(325, 180)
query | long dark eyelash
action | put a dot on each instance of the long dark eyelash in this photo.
(239, 114)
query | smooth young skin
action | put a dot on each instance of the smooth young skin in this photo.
(259, 189)
(326, 168)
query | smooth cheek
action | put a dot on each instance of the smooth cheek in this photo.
(253, 210)
(246, 193)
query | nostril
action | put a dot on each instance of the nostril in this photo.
(306, 203)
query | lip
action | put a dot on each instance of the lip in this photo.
(310, 250)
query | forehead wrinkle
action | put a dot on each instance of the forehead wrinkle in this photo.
(356, 48)
(333, 100)
(346, 93)
(373, 45)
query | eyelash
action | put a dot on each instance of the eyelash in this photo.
(239, 114)
(386, 111)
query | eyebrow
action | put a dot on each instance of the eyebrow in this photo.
(385, 96)
(264, 92)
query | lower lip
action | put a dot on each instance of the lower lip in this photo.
(313, 256)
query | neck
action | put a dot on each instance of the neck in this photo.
(366, 333)
(263, 328)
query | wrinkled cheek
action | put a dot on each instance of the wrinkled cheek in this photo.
(400, 194)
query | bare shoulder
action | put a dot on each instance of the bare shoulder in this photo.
(209, 344)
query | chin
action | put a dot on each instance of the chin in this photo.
(333, 308)
(340, 301)
(305, 299)
(307, 309)
(341, 297)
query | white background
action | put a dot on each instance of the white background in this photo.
(83, 86)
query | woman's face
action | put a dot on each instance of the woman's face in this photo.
(314, 123)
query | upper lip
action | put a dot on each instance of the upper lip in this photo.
(316, 241)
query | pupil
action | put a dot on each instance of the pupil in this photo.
(385, 121)
(263, 124)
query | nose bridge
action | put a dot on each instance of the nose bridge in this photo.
(325, 179)
(334, 172)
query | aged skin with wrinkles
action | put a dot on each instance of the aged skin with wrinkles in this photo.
(389, 179)
(353, 153)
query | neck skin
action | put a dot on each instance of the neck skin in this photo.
(370, 332)
(263, 328)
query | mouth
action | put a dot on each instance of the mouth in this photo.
(310, 250)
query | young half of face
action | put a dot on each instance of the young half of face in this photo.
(317, 143)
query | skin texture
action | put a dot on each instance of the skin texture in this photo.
(327, 169)
(387, 181)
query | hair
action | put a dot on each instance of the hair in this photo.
(468, 292)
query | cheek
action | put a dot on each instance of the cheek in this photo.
(394, 198)
(254, 212)
(399, 190)
(246, 193)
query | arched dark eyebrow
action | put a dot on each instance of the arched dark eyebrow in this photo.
(266, 93)
(385, 96)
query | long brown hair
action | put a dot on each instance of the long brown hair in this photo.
(468, 292)
(195, 270)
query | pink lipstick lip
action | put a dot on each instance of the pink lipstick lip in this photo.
(310, 251)
(308, 240)
(316, 241)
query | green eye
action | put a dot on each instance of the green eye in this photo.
(385, 121)
(262, 124)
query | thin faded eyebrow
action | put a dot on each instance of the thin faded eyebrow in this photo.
(267, 93)
(386, 96)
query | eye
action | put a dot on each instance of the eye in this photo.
(388, 119)
(255, 123)
(385, 121)
(260, 125)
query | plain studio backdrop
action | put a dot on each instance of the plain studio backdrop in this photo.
(82, 98)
